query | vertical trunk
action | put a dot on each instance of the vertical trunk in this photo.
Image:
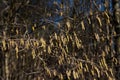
(6, 66)
(117, 23)
(1, 65)
(116, 16)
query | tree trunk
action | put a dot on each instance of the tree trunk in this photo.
(116, 23)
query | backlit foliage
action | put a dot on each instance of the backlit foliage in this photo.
(76, 48)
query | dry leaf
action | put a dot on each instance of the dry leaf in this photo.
(93, 73)
(83, 26)
(61, 76)
(49, 50)
(4, 44)
(16, 49)
(107, 15)
(56, 36)
(98, 72)
(75, 75)
(48, 71)
(21, 41)
(27, 45)
(99, 20)
(33, 53)
(68, 24)
(43, 43)
(86, 67)
(89, 21)
(33, 28)
(17, 31)
(68, 72)
(97, 37)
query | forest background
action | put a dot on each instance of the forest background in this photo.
(59, 39)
